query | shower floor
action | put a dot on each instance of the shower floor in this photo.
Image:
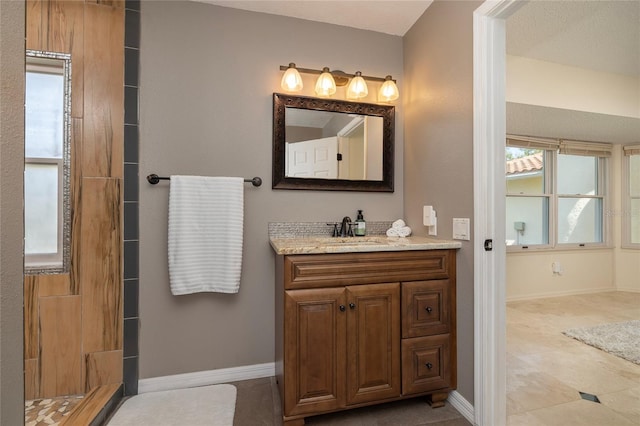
(49, 411)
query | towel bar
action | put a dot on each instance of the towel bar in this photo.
(153, 179)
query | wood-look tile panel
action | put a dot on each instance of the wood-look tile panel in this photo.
(103, 143)
(31, 347)
(34, 24)
(31, 379)
(63, 27)
(90, 407)
(54, 285)
(100, 265)
(60, 340)
(76, 197)
(112, 3)
(103, 368)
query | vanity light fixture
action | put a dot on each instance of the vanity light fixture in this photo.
(325, 85)
(328, 80)
(357, 87)
(291, 80)
(389, 91)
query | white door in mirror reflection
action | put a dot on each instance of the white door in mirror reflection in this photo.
(315, 158)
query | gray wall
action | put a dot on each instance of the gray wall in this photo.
(438, 103)
(12, 31)
(207, 78)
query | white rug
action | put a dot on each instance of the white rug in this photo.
(621, 339)
(202, 406)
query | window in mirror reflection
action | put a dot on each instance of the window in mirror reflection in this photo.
(333, 145)
(46, 175)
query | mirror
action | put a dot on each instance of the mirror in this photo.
(327, 144)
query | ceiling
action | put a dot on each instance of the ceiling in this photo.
(389, 17)
(597, 35)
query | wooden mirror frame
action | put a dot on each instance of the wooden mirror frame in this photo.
(280, 181)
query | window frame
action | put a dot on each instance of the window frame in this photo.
(628, 152)
(59, 262)
(552, 148)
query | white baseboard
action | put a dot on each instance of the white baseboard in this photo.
(204, 378)
(628, 289)
(465, 408)
(560, 294)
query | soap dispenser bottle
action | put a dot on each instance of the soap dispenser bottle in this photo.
(361, 229)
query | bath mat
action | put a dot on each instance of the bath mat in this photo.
(202, 406)
(621, 339)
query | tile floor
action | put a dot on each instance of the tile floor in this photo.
(49, 411)
(258, 404)
(546, 370)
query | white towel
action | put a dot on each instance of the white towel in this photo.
(399, 229)
(205, 234)
(404, 231)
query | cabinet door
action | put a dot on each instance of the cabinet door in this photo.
(314, 346)
(373, 342)
(426, 308)
(426, 364)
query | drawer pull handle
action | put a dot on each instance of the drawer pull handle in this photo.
(352, 305)
(429, 365)
(429, 309)
(342, 308)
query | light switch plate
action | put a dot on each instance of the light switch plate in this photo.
(461, 229)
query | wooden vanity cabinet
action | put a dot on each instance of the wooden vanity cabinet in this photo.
(356, 329)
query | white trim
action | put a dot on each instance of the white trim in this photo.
(204, 378)
(463, 406)
(562, 293)
(489, 134)
(628, 289)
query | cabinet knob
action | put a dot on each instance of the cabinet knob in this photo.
(429, 365)
(342, 308)
(352, 305)
(428, 309)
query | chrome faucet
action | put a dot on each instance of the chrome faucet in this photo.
(345, 228)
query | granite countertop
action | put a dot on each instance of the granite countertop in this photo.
(315, 245)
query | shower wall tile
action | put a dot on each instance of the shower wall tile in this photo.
(131, 290)
(54, 285)
(131, 182)
(131, 376)
(31, 334)
(130, 221)
(130, 260)
(103, 368)
(60, 339)
(130, 105)
(130, 143)
(104, 97)
(131, 337)
(31, 379)
(131, 66)
(131, 194)
(61, 308)
(132, 29)
(101, 281)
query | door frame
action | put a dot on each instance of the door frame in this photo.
(489, 131)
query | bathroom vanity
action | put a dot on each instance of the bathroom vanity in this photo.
(360, 321)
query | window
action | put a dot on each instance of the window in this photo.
(631, 208)
(46, 174)
(555, 192)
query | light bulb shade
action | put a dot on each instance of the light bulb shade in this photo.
(389, 91)
(291, 80)
(357, 87)
(325, 85)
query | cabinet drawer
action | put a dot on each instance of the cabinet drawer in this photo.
(425, 364)
(426, 308)
(334, 270)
